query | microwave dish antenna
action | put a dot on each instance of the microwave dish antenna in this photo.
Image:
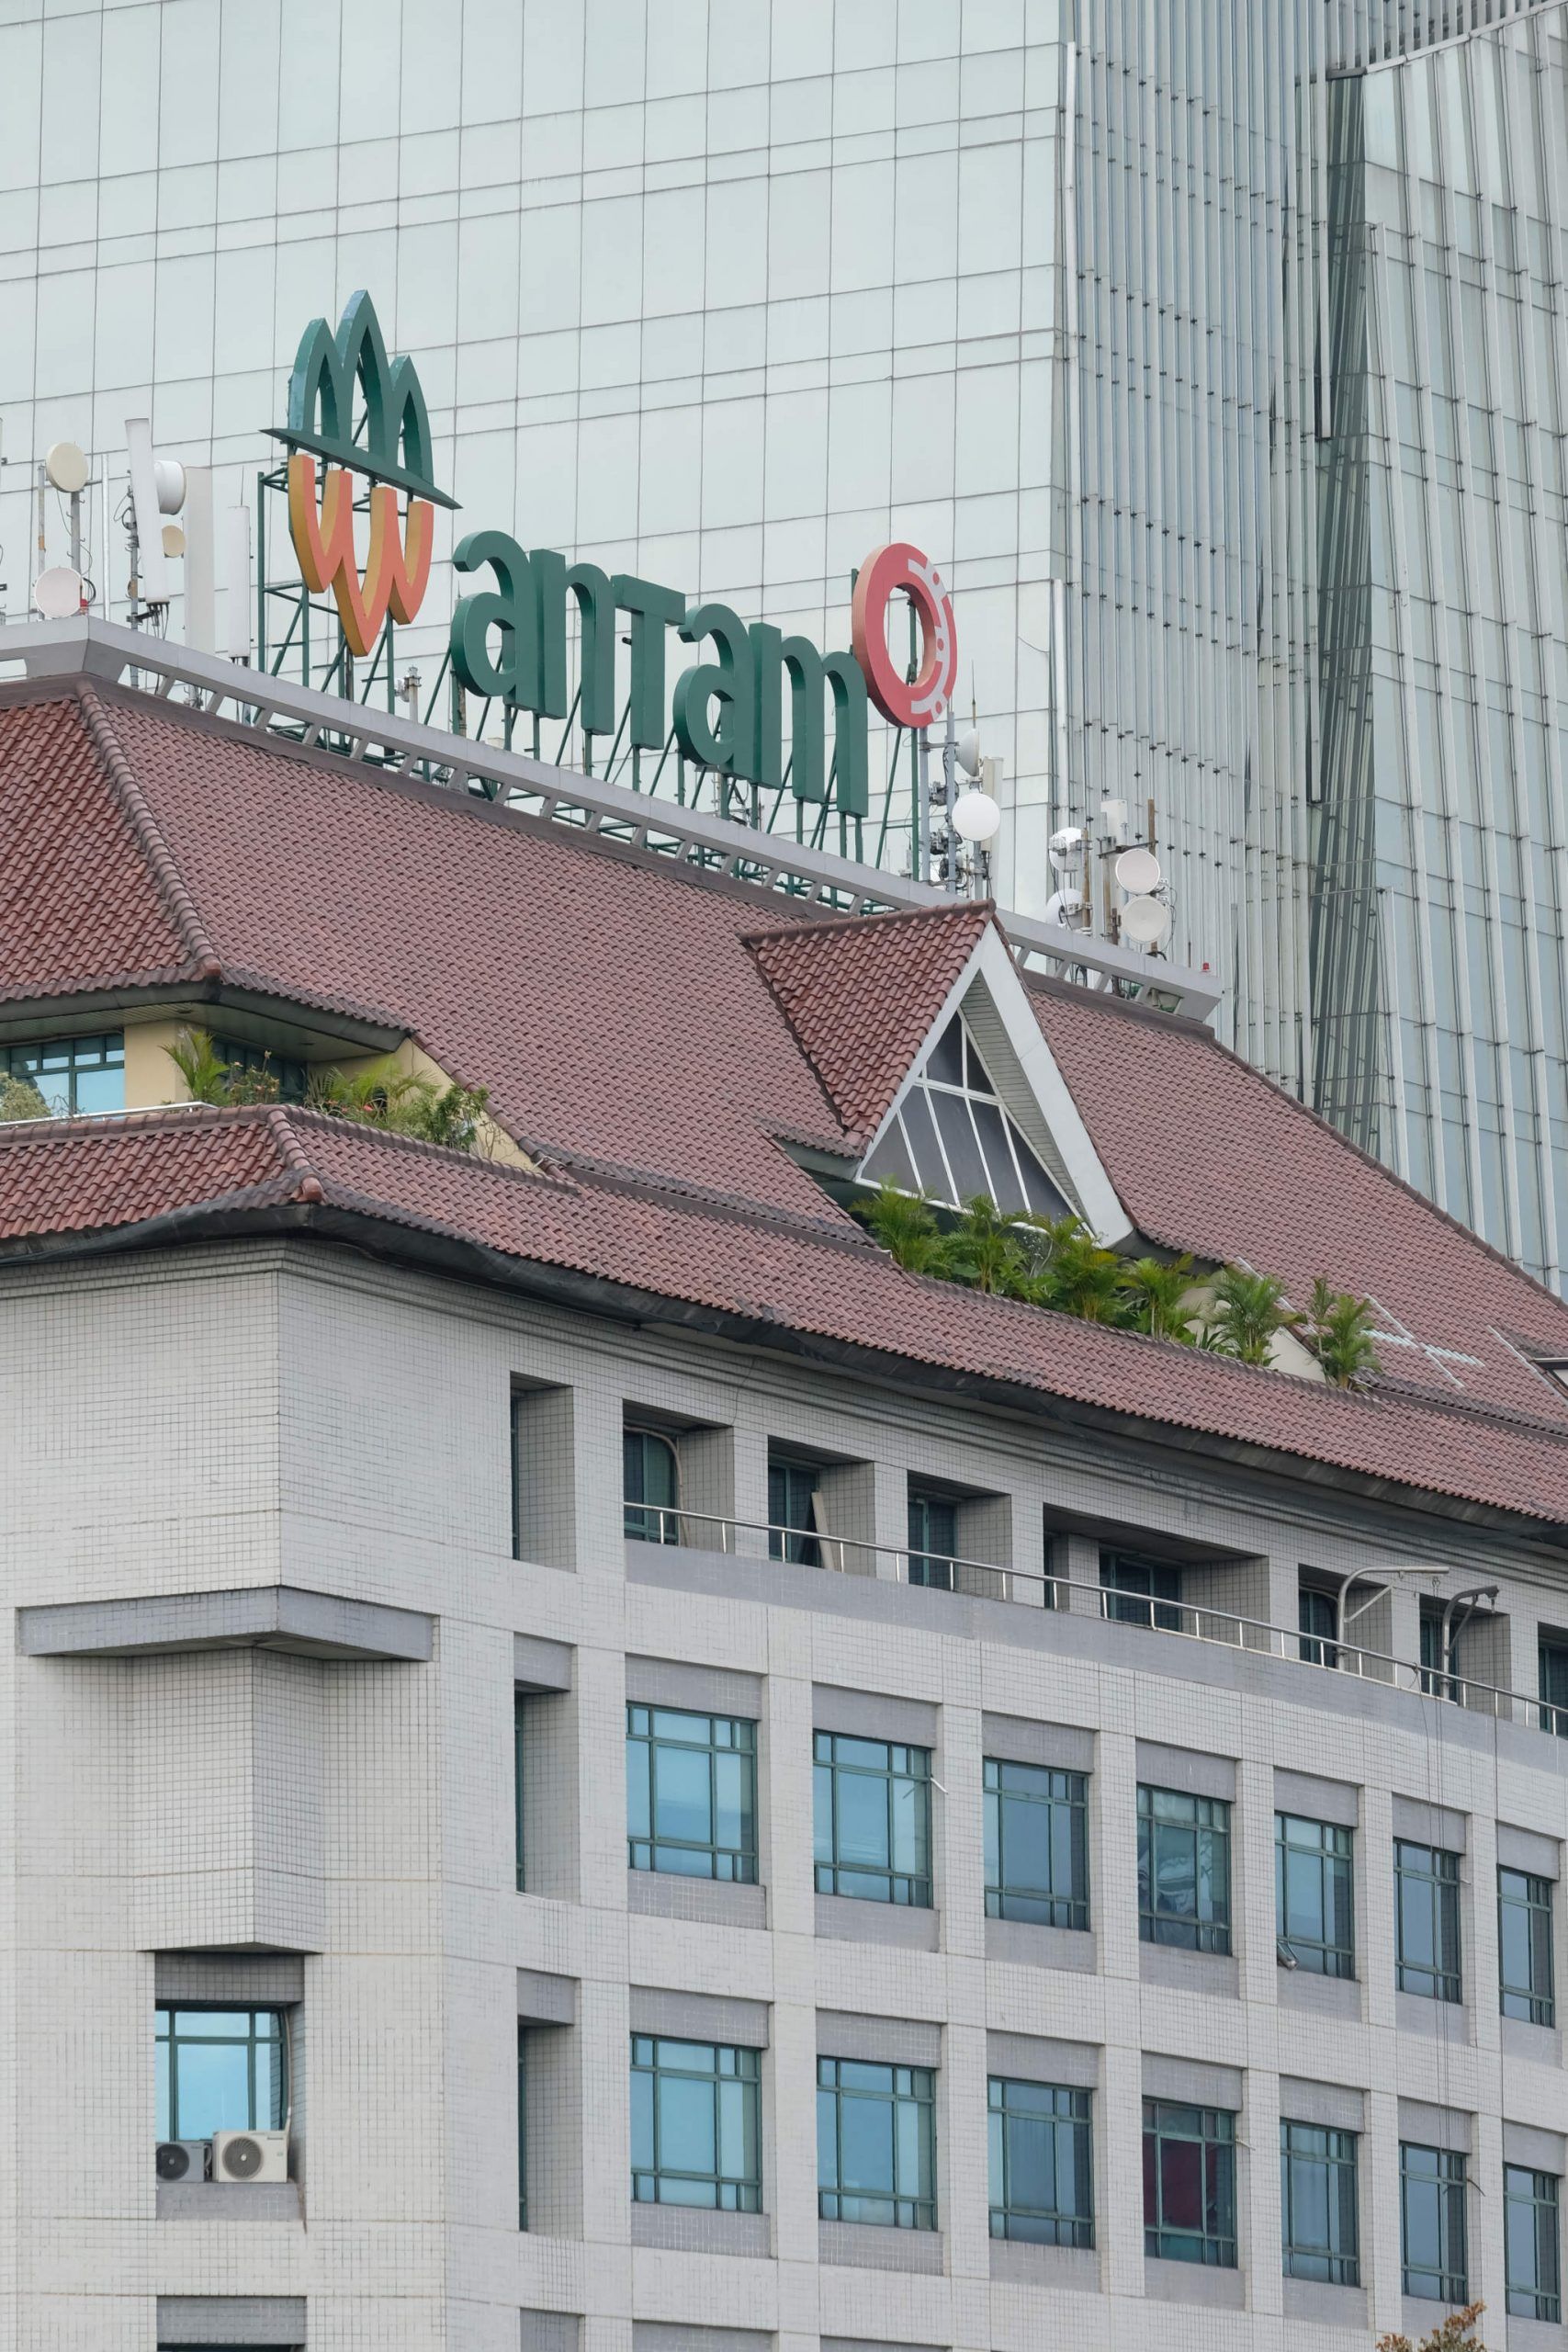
(1138, 871)
(60, 593)
(67, 467)
(1145, 922)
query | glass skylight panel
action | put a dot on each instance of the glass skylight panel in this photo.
(952, 1138)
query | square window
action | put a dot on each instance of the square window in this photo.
(697, 2137)
(875, 2144)
(1041, 2165)
(873, 1820)
(1036, 1844)
(691, 1794)
(1184, 1879)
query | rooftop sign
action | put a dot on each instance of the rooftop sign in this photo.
(509, 640)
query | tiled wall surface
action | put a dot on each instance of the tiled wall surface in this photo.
(228, 1419)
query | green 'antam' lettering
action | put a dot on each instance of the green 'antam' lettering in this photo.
(509, 643)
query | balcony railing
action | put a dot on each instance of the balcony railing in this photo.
(1176, 1620)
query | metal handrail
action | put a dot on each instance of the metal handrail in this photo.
(987, 1581)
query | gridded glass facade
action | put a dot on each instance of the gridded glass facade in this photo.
(1318, 2205)
(1314, 1917)
(1041, 2165)
(1426, 1937)
(1432, 2224)
(1441, 978)
(1036, 1844)
(691, 1794)
(1189, 2183)
(872, 1819)
(1184, 1870)
(1532, 2244)
(220, 2070)
(1525, 1973)
(696, 2139)
(74, 1075)
(875, 2144)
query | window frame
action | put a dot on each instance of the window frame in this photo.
(1319, 1644)
(637, 1512)
(731, 2066)
(1527, 2301)
(910, 2092)
(13, 1060)
(1156, 1605)
(1448, 2179)
(1205, 1932)
(1551, 1658)
(167, 2046)
(1066, 2121)
(911, 1144)
(1336, 2263)
(905, 1889)
(791, 1539)
(1533, 2007)
(1446, 1984)
(1318, 1956)
(1064, 1791)
(644, 1743)
(1214, 2132)
(931, 1565)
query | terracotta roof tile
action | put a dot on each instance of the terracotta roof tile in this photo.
(1210, 1157)
(862, 994)
(88, 1175)
(655, 1034)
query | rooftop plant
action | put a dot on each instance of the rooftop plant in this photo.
(1338, 1327)
(1056, 1262)
(374, 1094)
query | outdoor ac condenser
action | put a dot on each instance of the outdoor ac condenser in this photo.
(181, 2160)
(249, 2155)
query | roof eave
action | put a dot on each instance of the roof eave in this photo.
(376, 1236)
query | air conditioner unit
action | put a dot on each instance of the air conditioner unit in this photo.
(181, 2160)
(249, 2155)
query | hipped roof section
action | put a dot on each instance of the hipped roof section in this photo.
(654, 1034)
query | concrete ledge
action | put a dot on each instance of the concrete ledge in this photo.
(232, 2319)
(723, 1902)
(864, 2246)
(229, 2200)
(1021, 2264)
(1194, 2282)
(267, 1616)
(688, 2229)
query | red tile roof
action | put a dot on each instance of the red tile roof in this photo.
(652, 1034)
(1209, 1156)
(95, 1176)
(859, 1034)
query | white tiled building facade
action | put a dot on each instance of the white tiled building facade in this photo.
(317, 1816)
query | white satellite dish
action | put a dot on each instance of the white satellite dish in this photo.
(1145, 922)
(60, 593)
(174, 540)
(67, 467)
(1138, 870)
(968, 752)
(1062, 906)
(1066, 847)
(975, 817)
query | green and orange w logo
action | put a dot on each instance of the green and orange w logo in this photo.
(395, 455)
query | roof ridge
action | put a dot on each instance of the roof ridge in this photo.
(281, 1128)
(810, 926)
(177, 900)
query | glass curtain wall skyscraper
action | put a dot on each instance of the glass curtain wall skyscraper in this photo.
(1214, 350)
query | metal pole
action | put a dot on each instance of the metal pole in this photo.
(922, 807)
(949, 795)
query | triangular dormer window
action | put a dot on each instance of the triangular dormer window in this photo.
(950, 1136)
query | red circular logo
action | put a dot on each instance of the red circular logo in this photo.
(903, 570)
